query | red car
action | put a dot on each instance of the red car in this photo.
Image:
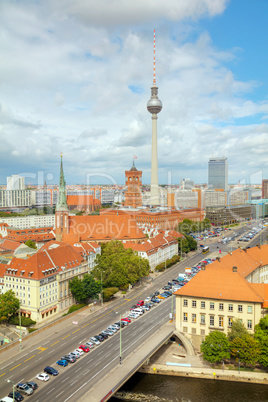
(140, 303)
(84, 348)
(126, 319)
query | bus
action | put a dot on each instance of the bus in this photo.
(205, 250)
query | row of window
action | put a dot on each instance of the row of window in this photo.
(212, 320)
(220, 306)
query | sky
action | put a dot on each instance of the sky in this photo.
(75, 78)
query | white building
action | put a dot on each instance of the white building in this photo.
(27, 222)
(15, 182)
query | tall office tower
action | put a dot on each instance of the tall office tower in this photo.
(15, 182)
(218, 173)
(154, 106)
(264, 190)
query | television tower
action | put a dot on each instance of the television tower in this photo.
(154, 106)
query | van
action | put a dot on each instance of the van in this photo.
(137, 311)
(6, 399)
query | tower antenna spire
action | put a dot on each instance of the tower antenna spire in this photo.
(154, 80)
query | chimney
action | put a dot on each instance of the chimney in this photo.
(218, 259)
(234, 269)
(203, 267)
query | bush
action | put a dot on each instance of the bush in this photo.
(32, 330)
(75, 307)
(25, 321)
(109, 292)
(161, 267)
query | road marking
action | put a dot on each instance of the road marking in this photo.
(46, 342)
(14, 367)
(59, 394)
(78, 369)
(7, 365)
(65, 379)
(50, 390)
(29, 358)
(85, 325)
(65, 338)
(94, 320)
(74, 332)
(54, 343)
(2, 374)
(42, 349)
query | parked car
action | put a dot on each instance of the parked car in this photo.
(140, 303)
(24, 389)
(147, 299)
(62, 362)
(94, 340)
(17, 396)
(69, 358)
(126, 319)
(105, 336)
(84, 348)
(155, 300)
(162, 296)
(32, 385)
(113, 329)
(80, 351)
(42, 377)
(90, 345)
(133, 315)
(108, 332)
(75, 354)
(51, 370)
(100, 338)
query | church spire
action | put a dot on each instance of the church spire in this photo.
(62, 201)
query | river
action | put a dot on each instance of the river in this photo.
(158, 388)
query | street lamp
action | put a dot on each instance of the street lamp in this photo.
(13, 389)
(20, 328)
(101, 291)
(238, 361)
(120, 342)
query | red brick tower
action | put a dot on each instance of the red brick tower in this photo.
(133, 196)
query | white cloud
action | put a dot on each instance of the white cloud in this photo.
(65, 86)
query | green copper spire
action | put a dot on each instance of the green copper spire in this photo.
(62, 201)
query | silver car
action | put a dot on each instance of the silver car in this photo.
(94, 340)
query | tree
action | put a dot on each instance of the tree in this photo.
(246, 348)
(119, 267)
(109, 292)
(84, 289)
(237, 330)
(31, 244)
(215, 347)
(261, 335)
(9, 305)
(187, 244)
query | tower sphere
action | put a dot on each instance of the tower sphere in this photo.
(154, 105)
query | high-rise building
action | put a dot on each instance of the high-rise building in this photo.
(218, 173)
(264, 190)
(154, 106)
(15, 182)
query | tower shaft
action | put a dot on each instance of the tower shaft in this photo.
(154, 164)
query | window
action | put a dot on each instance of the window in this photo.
(211, 320)
(249, 324)
(203, 332)
(193, 330)
(249, 309)
(211, 306)
(185, 302)
(185, 329)
(193, 317)
(203, 304)
(230, 307)
(202, 319)
(230, 322)
(221, 306)
(193, 303)
(240, 308)
(221, 322)
(185, 316)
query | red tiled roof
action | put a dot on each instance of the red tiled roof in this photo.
(82, 200)
(218, 281)
(240, 259)
(63, 256)
(102, 227)
(9, 245)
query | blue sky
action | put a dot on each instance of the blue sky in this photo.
(75, 78)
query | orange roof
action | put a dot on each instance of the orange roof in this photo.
(54, 259)
(101, 228)
(2, 270)
(259, 253)
(262, 290)
(9, 245)
(242, 260)
(82, 200)
(38, 238)
(175, 234)
(218, 281)
(152, 245)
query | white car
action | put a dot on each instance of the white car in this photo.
(75, 354)
(113, 329)
(90, 345)
(42, 377)
(147, 300)
(80, 351)
(94, 340)
(132, 315)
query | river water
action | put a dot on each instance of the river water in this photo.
(158, 388)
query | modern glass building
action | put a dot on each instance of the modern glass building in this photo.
(218, 173)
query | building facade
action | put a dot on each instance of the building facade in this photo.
(218, 173)
(133, 195)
